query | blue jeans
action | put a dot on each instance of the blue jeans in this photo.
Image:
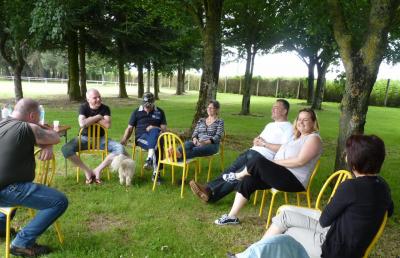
(193, 151)
(219, 188)
(148, 140)
(49, 203)
(71, 147)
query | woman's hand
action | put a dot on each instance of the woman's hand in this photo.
(195, 141)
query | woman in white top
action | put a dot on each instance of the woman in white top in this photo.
(289, 171)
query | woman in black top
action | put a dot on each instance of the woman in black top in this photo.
(351, 219)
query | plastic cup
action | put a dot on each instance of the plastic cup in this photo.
(56, 123)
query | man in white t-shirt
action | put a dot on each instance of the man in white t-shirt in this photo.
(265, 145)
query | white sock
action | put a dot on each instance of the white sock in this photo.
(150, 153)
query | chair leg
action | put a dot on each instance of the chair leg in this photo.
(141, 161)
(58, 231)
(183, 180)
(209, 169)
(77, 174)
(173, 174)
(298, 199)
(156, 177)
(271, 206)
(8, 226)
(286, 198)
(255, 197)
(263, 199)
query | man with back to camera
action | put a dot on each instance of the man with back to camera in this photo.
(19, 133)
(149, 122)
(266, 145)
(91, 112)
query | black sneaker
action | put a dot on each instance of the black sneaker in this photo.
(226, 220)
(159, 179)
(148, 164)
(33, 251)
(230, 177)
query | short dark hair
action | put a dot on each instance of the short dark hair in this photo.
(285, 104)
(365, 153)
(215, 103)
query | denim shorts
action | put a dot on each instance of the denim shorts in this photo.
(71, 147)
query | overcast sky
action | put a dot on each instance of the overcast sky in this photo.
(289, 65)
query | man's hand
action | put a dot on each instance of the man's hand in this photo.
(150, 127)
(123, 142)
(46, 153)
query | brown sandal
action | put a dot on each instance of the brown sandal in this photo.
(89, 181)
(98, 181)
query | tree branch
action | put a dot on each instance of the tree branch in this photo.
(342, 35)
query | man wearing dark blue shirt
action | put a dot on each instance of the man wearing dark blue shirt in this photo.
(148, 121)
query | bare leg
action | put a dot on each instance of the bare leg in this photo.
(107, 161)
(272, 231)
(241, 174)
(78, 162)
(238, 204)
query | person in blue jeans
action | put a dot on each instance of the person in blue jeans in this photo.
(148, 121)
(18, 135)
(206, 135)
(91, 112)
(264, 145)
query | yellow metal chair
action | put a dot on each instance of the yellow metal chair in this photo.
(377, 236)
(339, 176)
(44, 173)
(274, 192)
(93, 145)
(170, 141)
(211, 157)
(134, 146)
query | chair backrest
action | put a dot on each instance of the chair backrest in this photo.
(313, 175)
(339, 176)
(377, 236)
(93, 135)
(45, 169)
(168, 143)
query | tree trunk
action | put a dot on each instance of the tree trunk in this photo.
(121, 78)
(319, 91)
(210, 27)
(354, 107)
(246, 90)
(179, 82)
(140, 79)
(361, 65)
(73, 67)
(310, 82)
(82, 62)
(156, 83)
(148, 67)
(17, 82)
(183, 78)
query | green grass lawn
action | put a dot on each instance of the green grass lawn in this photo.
(114, 221)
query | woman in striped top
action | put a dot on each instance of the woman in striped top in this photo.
(206, 136)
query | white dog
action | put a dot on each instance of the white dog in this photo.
(125, 167)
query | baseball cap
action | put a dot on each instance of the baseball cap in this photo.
(148, 97)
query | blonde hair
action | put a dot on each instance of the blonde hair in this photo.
(313, 118)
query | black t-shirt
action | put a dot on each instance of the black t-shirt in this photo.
(140, 119)
(17, 160)
(355, 214)
(85, 110)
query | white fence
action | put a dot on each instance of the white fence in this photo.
(62, 81)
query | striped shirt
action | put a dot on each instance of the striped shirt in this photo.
(211, 132)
